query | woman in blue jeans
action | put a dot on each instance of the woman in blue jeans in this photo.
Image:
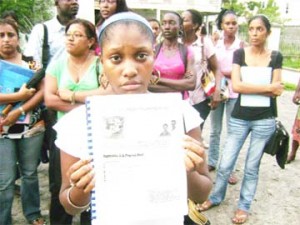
(227, 21)
(256, 76)
(21, 134)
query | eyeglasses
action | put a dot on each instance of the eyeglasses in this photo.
(108, 1)
(75, 35)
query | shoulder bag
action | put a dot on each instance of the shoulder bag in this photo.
(208, 79)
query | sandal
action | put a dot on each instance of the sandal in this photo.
(205, 206)
(232, 179)
(240, 217)
(38, 221)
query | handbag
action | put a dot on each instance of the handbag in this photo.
(195, 215)
(279, 140)
(224, 93)
(208, 81)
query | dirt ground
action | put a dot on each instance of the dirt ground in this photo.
(277, 200)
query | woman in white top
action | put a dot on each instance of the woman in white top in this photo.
(127, 59)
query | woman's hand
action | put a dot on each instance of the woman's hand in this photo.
(26, 93)
(11, 118)
(65, 94)
(195, 154)
(277, 88)
(82, 175)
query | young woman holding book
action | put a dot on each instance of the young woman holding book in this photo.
(20, 141)
(127, 59)
(256, 77)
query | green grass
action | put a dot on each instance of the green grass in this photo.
(289, 86)
(291, 62)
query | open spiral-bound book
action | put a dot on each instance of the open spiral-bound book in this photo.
(135, 143)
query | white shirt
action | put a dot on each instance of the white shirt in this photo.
(56, 37)
(71, 129)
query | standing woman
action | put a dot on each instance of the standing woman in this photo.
(174, 62)
(25, 148)
(69, 81)
(192, 21)
(252, 67)
(227, 21)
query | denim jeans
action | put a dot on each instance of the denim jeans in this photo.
(26, 152)
(261, 131)
(216, 121)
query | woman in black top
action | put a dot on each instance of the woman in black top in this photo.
(256, 76)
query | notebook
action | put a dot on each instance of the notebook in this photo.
(256, 76)
(135, 143)
(12, 77)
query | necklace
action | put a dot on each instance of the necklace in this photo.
(78, 69)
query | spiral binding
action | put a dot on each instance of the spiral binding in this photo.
(91, 154)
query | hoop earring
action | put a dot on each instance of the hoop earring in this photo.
(103, 81)
(155, 77)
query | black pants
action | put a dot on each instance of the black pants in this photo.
(204, 109)
(58, 215)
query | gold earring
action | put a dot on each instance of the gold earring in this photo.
(155, 77)
(103, 81)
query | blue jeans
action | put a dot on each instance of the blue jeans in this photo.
(238, 130)
(26, 152)
(216, 121)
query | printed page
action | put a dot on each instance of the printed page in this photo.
(138, 159)
(256, 75)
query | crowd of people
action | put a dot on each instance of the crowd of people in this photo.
(161, 56)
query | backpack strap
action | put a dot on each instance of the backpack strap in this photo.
(183, 51)
(157, 49)
(45, 48)
(98, 70)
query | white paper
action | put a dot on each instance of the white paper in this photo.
(138, 159)
(256, 75)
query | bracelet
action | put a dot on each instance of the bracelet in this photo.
(85, 207)
(22, 111)
(72, 99)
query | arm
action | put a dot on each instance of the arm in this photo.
(79, 96)
(199, 181)
(80, 173)
(274, 89)
(22, 95)
(52, 99)
(34, 44)
(187, 83)
(212, 61)
(29, 105)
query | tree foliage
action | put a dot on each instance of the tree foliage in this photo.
(29, 12)
(247, 9)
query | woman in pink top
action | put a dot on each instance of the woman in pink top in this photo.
(226, 45)
(173, 60)
(192, 21)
